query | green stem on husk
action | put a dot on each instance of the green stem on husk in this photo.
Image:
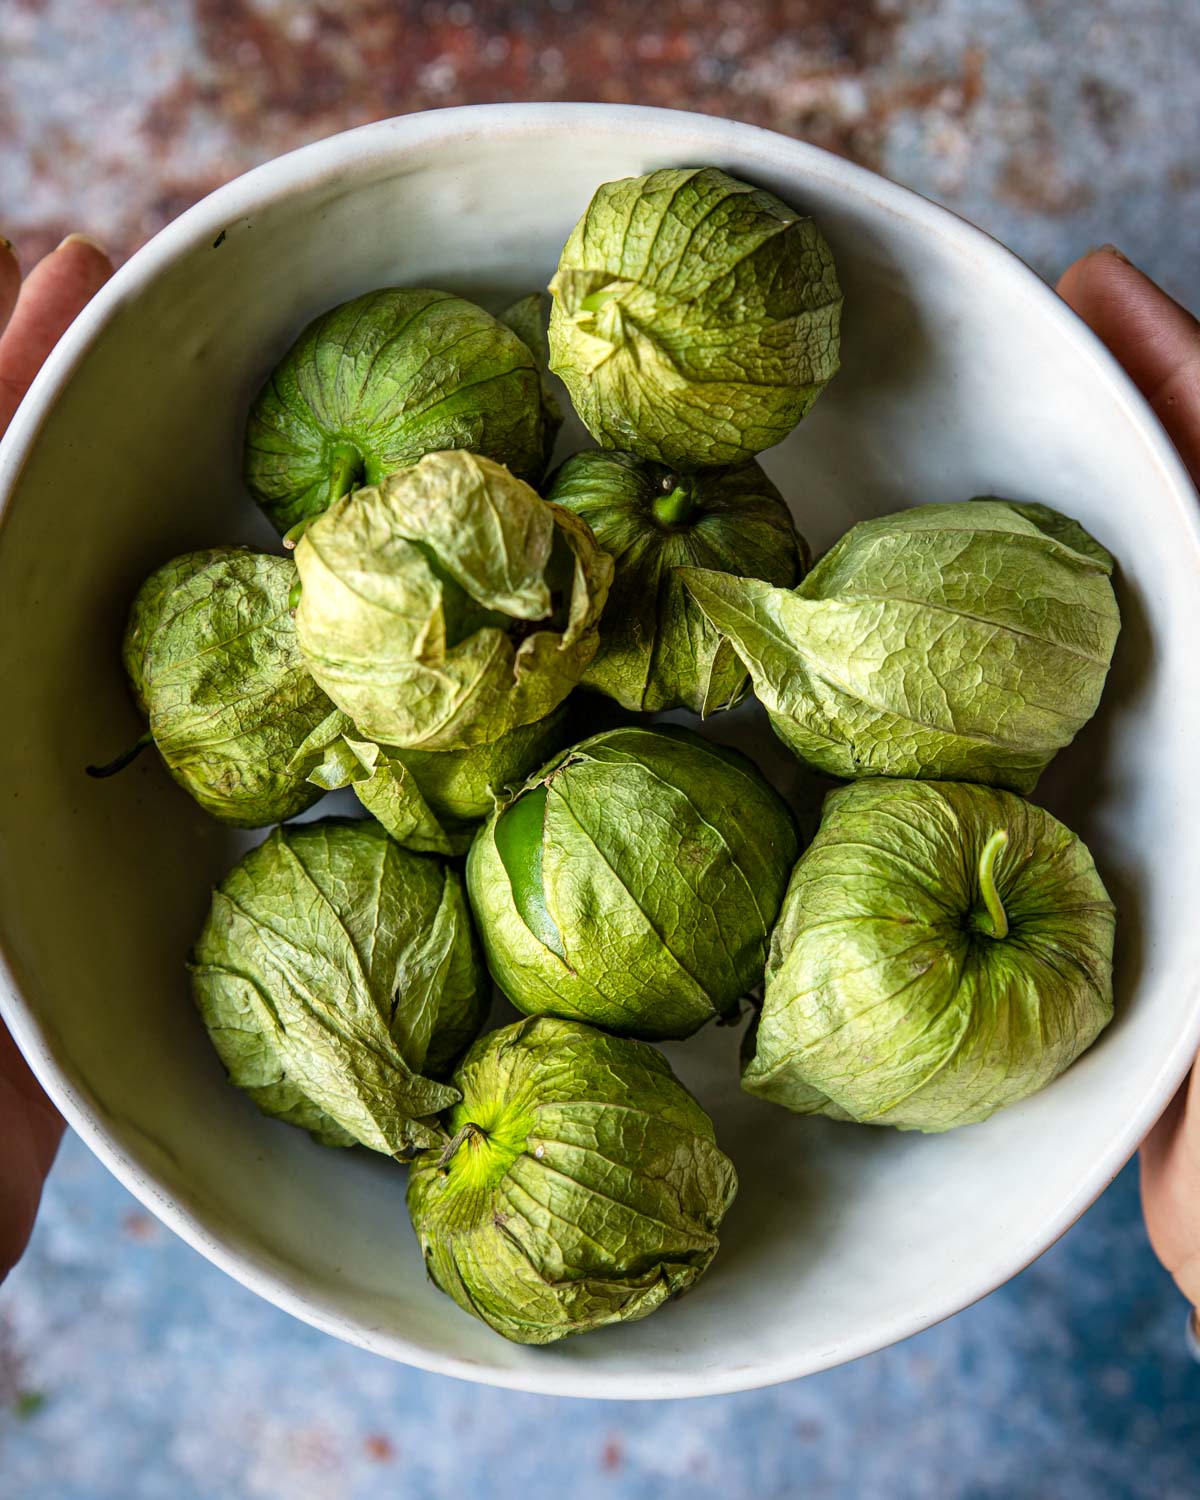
(126, 758)
(294, 593)
(346, 468)
(596, 300)
(987, 883)
(674, 505)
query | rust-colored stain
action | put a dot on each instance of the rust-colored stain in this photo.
(257, 79)
(612, 1455)
(314, 69)
(1041, 122)
(1033, 179)
(379, 1449)
(140, 1227)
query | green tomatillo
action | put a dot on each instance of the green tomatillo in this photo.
(657, 648)
(945, 949)
(211, 654)
(339, 978)
(633, 883)
(581, 1186)
(695, 317)
(449, 605)
(376, 383)
(967, 641)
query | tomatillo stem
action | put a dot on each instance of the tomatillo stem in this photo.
(126, 758)
(674, 505)
(469, 1132)
(291, 537)
(596, 300)
(987, 883)
(346, 468)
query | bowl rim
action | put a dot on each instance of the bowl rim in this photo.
(228, 1245)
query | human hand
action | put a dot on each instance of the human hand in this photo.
(32, 317)
(1158, 342)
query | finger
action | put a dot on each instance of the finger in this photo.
(10, 281)
(30, 1130)
(1170, 1175)
(1156, 340)
(53, 293)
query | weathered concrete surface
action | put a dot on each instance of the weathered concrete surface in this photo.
(1054, 125)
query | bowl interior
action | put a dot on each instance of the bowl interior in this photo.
(961, 376)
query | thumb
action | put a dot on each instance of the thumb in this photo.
(1156, 340)
(54, 292)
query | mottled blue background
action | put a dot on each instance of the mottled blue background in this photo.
(137, 1371)
(130, 1369)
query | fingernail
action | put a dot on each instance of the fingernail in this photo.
(1112, 250)
(83, 239)
(6, 244)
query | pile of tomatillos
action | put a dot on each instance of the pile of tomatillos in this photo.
(473, 641)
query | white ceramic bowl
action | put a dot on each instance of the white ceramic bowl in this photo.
(962, 374)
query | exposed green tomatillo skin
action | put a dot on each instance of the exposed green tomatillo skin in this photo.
(450, 605)
(428, 800)
(945, 949)
(465, 786)
(339, 977)
(657, 648)
(695, 317)
(519, 835)
(581, 1185)
(967, 641)
(213, 661)
(634, 884)
(373, 385)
